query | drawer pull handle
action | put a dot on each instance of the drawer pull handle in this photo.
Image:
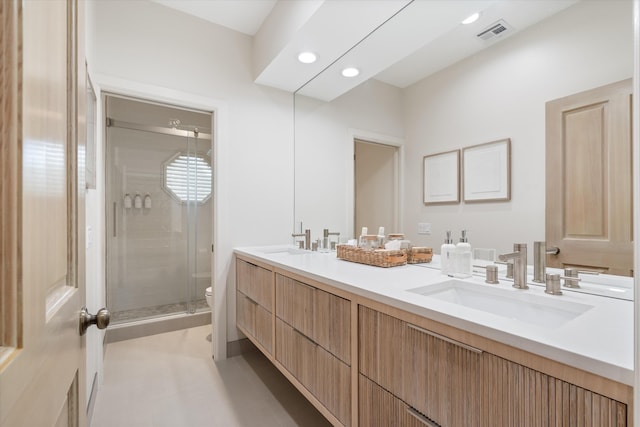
(304, 336)
(443, 338)
(424, 420)
(251, 300)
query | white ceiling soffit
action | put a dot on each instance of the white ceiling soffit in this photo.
(420, 22)
(425, 37)
(245, 16)
(462, 41)
(331, 30)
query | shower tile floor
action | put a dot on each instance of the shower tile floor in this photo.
(155, 311)
(170, 380)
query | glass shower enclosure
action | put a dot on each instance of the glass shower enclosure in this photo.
(159, 209)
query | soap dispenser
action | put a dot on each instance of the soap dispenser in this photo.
(447, 255)
(463, 258)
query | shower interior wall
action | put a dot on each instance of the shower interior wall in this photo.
(157, 264)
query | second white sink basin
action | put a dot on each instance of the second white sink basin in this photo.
(549, 312)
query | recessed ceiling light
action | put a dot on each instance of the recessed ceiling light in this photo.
(471, 19)
(350, 72)
(307, 57)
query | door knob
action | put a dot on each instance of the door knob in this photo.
(100, 319)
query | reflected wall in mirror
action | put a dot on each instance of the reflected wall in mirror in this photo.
(497, 93)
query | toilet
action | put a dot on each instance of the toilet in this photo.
(207, 294)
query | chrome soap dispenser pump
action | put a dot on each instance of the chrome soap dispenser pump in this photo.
(447, 255)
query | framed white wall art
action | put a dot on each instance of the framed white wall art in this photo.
(487, 172)
(441, 178)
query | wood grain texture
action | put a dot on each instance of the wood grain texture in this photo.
(332, 324)
(294, 304)
(516, 395)
(379, 408)
(380, 357)
(10, 178)
(441, 379)
(589, 213)
(255, 282)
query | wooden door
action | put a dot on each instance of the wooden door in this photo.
(42, 355)
(589, 206)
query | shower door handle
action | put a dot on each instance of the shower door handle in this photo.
(115, 219)
(101, 319)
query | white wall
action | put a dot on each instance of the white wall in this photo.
(501, 93)
(324, 150)
(145, 45)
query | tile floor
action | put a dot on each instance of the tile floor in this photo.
(170, 380)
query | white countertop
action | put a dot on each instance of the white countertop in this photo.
(599, 340)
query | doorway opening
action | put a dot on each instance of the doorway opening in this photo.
(376, 186)
(159, 210)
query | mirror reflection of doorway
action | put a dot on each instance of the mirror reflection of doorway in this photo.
(376, 182)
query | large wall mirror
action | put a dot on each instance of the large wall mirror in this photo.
(440, 99)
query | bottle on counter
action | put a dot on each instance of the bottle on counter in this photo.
(463, 257)
(381, 237)
(447, 255)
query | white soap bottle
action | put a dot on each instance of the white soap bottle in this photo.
(463, 257)
(447, 255)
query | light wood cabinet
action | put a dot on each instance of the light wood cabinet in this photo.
(255, 282)
(254, 320)
(254, 303)
(518, 396)
(454, 384)
(313, 338)
(379, 408)
(321, 316)
(361, 362)
(434, 375)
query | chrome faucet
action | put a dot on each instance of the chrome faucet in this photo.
(307, 238)
(540, 252)
(326, 241)
(519, 257)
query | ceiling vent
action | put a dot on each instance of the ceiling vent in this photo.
(495, 30)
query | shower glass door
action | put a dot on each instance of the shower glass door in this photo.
(159, 205)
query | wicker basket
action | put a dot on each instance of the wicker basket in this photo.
(378, 258)
(418, 255)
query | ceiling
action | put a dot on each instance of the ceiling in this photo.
(396, 41)
(244, 16)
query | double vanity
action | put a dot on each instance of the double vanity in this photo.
(407, 346)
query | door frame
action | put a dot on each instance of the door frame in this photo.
(382, 139)
(117, 86)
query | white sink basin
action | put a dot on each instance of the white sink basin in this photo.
(284, 250)
(524, 306)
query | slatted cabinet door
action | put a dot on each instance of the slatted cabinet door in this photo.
(442, 378)
(436, 377)
(520, 396)
(313, 338)
(379, 408)
(332, 324)
(380, 343)
(254, 303)
(255, 282)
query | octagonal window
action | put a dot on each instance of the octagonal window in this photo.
(187, 177)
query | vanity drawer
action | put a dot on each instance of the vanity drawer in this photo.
(254, 320)
(255, 282)
(518, 395)
(317, 370)
(436, 376)
(379, 408)
(323, 317)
